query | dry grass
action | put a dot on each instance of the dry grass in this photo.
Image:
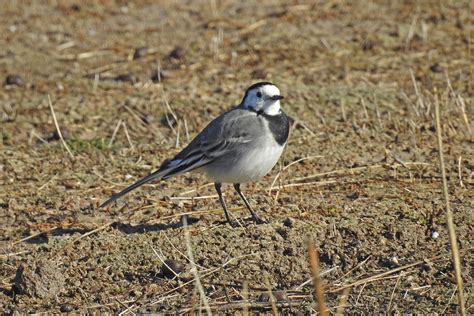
(317, 283)
(449, 214)
(358, 173)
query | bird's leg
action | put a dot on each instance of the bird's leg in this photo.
(218, 187)
(257, 219)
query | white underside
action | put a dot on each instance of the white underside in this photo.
(248, 166)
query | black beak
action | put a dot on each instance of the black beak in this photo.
(259, 112)
(276, 97)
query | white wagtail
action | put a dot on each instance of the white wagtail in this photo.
(241, 145)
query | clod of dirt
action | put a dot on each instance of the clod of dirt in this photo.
(158, 76)
(126, 78)
(66, 308)
(436, 68)
(171, 268)
(289, 222)
(40, 279)
(280, 296)
(140, 52)
(55, 135)
(14, 80)
(263, 298)
(76, 7)
(177, 53)
(368, 45)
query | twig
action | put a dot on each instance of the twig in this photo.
(194, 190)
(90, 233)
(393, 293)
(33, 134)
(8, 255)
(33, 236)
(191, 198)
(128, 309)
(127, 135)
(236, 305)
(460, 172)
(96, 83)
(252, 27)
(47, 182)
(318, 285)
(85, 55)
(358, 169)
(317, 183)
(186, 129)
(289, 165)
(460, 101)
(449, 215)
(299, 287)
(389, 272)
(194, 268)
(111, 141)
(58, 129)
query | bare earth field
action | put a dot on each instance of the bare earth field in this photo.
(360, 175)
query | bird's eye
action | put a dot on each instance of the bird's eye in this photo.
(259, 94)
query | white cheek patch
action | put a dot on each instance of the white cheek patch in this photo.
(271, 90)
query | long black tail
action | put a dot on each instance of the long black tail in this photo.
(142, 181)
(167, 170)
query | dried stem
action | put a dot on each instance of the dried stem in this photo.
(449, 214)
(58, 129)
(318, 285)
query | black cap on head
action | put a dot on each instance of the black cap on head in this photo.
(259, 84)
(256, 85)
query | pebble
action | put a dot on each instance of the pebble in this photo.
(436, 68)
(126, 78)
(170, 266)
(140, 52)
(435, 235)
(65, 308)
(289, 222)
(76, 7)
(263, 297)
(163, 74)
(368, 45)
(55, 135)
(177, 53)
(280, 296)
(394, 260)
(14, 80)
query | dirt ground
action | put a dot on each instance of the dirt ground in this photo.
(132, 82)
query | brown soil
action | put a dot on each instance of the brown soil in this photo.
(360, 175)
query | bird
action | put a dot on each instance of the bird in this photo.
(239, 146)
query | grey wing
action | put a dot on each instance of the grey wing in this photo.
(220, 137)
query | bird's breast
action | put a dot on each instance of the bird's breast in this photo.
(247, 165)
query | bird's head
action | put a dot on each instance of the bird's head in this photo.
(262, 97)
